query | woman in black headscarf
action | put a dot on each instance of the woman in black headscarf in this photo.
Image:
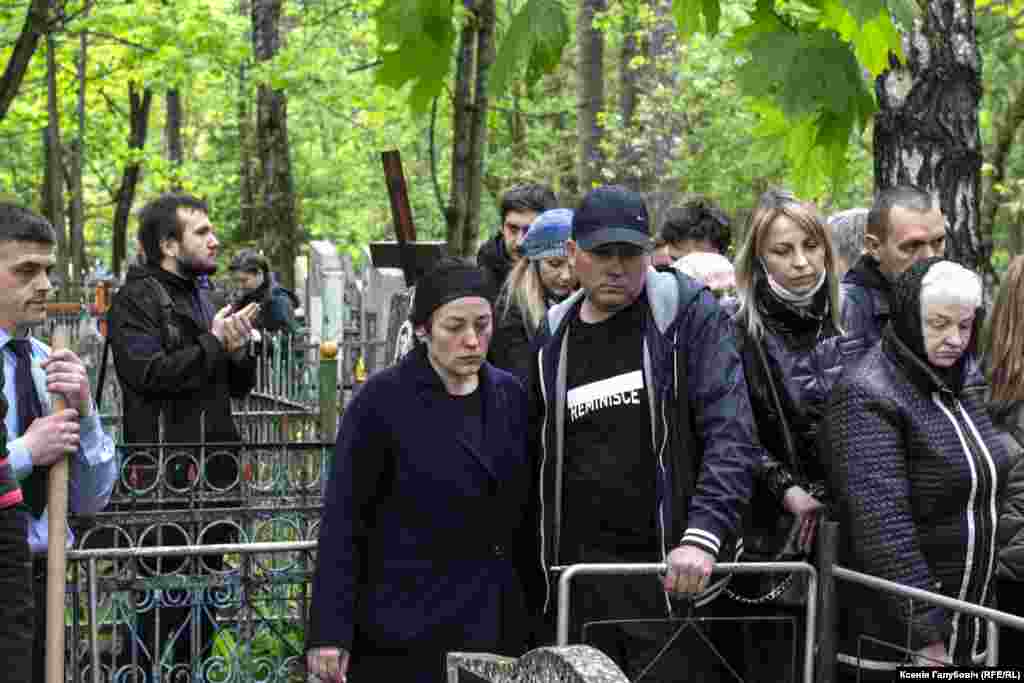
(914, 466)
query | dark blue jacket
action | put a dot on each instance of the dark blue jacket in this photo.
(421, 532)
(865, 296)
(704, 439)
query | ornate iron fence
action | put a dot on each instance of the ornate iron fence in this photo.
(217, 614)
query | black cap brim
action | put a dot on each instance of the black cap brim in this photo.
(602, 236)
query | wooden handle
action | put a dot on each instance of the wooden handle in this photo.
(56, 566)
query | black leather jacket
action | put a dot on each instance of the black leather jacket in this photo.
(806, 356)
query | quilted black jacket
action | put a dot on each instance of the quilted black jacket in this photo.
(914, 465)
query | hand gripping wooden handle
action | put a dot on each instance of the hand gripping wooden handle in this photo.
(56, 567)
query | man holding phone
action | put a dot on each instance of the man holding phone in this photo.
(178, 360)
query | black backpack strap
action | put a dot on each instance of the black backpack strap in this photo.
(172, 335)
(101, 378)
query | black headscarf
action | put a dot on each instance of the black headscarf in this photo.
(451, 279)
(908, 325)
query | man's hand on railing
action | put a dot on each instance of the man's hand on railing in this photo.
(327, 665)
(934, 655)
(689, 569)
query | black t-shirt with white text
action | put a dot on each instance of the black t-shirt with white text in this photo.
(610, 469)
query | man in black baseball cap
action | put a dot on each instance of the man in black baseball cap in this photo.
(626, 475)
(611, 237)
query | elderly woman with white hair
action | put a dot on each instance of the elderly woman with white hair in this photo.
(914, 466)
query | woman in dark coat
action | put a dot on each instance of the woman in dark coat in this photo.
(256, 285)
(789, 333)
(1005, 358)
(541, 278)
(915, 466)
(423, 542)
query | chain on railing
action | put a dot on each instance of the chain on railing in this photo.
(568, 573)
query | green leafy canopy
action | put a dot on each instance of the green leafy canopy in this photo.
(806, 72)
(416, 39)
(536, 37)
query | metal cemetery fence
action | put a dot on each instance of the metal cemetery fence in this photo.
(236, 613)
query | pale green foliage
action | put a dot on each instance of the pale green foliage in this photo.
(416, 38)
(536, 37)
(805, 73)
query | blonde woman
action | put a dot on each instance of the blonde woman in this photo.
(542, 277)
(789, 330)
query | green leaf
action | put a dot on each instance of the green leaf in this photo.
(903, 12)
(712, 16)
(864, 10)
(536, 38)
(688, 14)
(415, 38)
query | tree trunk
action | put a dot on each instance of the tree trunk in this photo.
(79, 265)
(138, 130)
(275, 216)
(590, 91)
(24, 47)
(1006, 127)
(926, 129)
(172, 137)
(664, 130)
(485, 54)
(53, 207)
(462, 123)
(247, 197)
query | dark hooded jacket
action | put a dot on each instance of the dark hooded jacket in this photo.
(169, 362)
(865, 295)
(277, 306)
(704, 442)
(806, 356)
(915, 466)
(494, 258)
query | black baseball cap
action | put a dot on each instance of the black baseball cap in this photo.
(611, 215)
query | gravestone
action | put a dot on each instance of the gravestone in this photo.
(325, 292)
(380, 286)
(567, 664)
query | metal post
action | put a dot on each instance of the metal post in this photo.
(992, 651)
(328, 390)
(828, 616)
(94, 627)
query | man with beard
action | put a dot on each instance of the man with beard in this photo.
(179, 361)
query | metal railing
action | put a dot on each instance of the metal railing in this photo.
(620, 569)
(253, 606)
(993, 617)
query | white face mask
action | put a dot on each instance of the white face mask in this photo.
(788, 296)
